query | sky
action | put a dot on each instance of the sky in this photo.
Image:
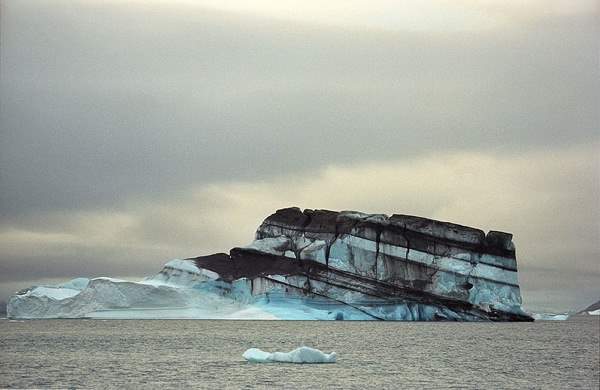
(134, 132)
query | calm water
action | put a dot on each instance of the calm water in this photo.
(168, 354)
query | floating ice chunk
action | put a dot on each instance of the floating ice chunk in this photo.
(559, 317)
(550, 316)
(298, 355)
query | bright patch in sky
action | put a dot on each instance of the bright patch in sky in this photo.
(407, 15)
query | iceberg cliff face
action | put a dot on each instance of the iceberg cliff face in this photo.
(314, 265)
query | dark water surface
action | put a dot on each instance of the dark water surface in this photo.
(208, 354)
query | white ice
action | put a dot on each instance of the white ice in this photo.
(57, 293)
(594, 312)
(550, 317)
(183, 290)
(180, 290)
(298, 355)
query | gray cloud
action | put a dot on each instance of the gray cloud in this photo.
(131, 133)
(104, 102)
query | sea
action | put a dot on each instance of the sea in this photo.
(381, 355)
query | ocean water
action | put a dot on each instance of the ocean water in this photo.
(208, 354)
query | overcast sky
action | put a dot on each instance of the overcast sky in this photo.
(133, 132)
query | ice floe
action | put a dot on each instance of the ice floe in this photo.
(550, 316)
(300, 355)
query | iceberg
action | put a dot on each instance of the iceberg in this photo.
(302, 355)
(313, 265)
(550, 316)
(180, 290)
(591, 310)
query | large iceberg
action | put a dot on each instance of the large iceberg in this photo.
(302, 355)
(313, 264)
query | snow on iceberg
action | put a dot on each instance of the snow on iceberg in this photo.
(299, 355)
(181, 290)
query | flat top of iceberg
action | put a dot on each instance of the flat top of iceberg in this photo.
(57, 293)
(299, 355)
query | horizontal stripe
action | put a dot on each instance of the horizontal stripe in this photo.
(449, 264)
(467, 253)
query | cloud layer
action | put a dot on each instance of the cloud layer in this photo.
(133, 132)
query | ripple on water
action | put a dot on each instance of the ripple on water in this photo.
(170, 354)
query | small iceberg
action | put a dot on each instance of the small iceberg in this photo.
(550, 316)
(299, 355)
